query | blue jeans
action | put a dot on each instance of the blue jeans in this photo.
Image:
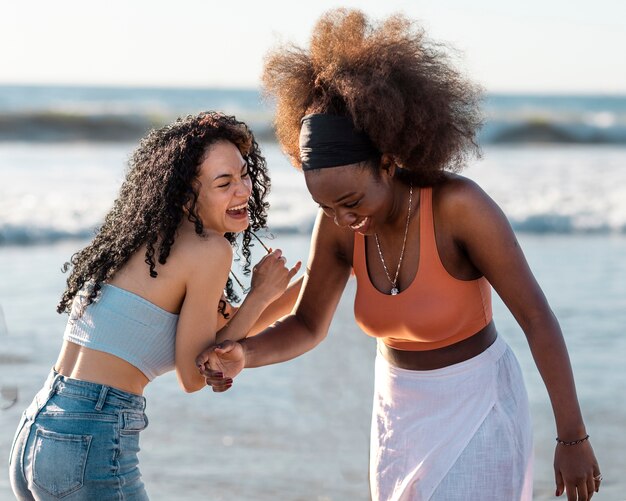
(78, 441)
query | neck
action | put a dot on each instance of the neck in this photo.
(396, 221)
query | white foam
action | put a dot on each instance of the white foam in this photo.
(49, 192)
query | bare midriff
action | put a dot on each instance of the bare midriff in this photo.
(441, 357)
(83, 363)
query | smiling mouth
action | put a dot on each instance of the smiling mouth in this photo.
(360, 225)
(239, 210)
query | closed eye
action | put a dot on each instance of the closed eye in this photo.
(244, 173)
(352, 205)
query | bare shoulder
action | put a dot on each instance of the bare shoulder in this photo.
(459, 192)
(459, 200)
(333, 239)
(200, 254)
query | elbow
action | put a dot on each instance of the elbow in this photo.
(318, 337)
(539, 324)
(192, 388)
(317, 333)
(191, 384)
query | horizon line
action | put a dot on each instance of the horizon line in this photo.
(518, 92)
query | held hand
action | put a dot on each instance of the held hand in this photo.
(576, 471)
(220, 363)
(271, 276)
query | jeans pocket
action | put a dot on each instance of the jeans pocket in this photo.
(132, 422)
(59, 461)
(20, 426)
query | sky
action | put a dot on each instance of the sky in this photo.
(535, 46)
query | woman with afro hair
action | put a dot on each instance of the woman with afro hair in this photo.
(380, 122)
(144, 297)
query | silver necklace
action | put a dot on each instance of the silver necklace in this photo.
(394, 283)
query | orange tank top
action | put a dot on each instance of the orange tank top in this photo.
(436, 310)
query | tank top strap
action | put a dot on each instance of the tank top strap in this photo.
(358, 254)
(428, 246)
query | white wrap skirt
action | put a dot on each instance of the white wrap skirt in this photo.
(457, 433)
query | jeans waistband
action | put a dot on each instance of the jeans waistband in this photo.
(101, 394)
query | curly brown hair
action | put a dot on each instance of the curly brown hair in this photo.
(398, 86)
(160, 190)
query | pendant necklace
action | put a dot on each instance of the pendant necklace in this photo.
(394, 283)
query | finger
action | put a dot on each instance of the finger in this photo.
(558, 479)
(595, 481)
(294, 270)
(597, 478)
(220, 389)
(276, 254)
(591, 486)
(570, 489)
(225, 347)
(582, 491)
(206, 371)
(214, 381)
(203, 358)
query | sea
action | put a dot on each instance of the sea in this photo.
(299, 430)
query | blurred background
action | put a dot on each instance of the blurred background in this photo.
(80, 84)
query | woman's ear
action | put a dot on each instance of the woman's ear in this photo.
(187, 206)
(388, 164)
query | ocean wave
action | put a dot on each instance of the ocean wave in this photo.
(553, 130)
(29, 235)
(500, 128)
(536, 224)
(109, 114)
(62, 126)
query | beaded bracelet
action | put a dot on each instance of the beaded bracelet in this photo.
(573, 442)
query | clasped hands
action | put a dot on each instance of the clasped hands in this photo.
(220, 363)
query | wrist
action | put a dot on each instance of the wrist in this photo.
(570, 426)
(257, 298)
(571, 434)
(569, 443)
(245, 351)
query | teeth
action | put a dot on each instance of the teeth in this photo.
(360, 225)
(243, 206)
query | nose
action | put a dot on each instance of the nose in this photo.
(344, 218)
(244, 188)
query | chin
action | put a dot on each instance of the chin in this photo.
(234, 228)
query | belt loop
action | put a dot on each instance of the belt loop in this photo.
(102, 398)
(54, 384)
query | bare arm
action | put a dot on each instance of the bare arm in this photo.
(208, 265)
(279, 308)
(209, 262)
(299, 332)
(270, 297)
(484, 233)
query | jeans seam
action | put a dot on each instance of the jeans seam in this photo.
(103, 418)
(116, 462)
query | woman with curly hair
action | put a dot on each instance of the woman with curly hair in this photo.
(380, 122)
(144, 297)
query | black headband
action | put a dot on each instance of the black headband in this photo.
(332, 141)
